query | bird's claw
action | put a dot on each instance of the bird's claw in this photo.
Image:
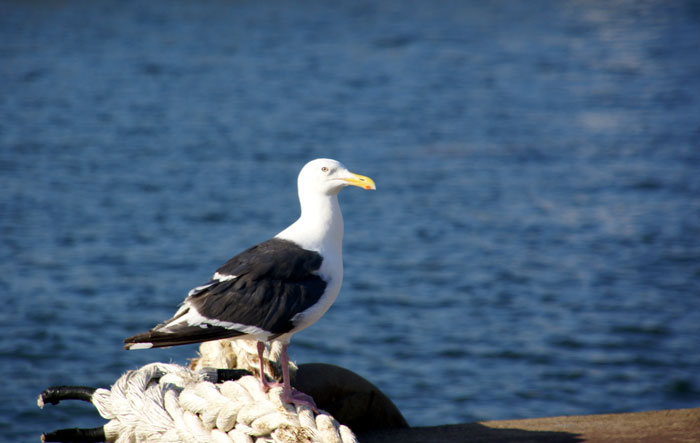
(299, 398)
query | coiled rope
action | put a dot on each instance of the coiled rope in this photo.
(170, 403)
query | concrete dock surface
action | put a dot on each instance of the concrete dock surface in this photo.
(667, 426)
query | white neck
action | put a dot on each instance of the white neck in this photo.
(320, 226)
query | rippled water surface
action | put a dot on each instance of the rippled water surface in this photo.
(533, 247)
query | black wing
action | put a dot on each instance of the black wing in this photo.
(264, 286)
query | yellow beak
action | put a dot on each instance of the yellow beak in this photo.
(360, 181)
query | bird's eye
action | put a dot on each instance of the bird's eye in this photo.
(324, 169)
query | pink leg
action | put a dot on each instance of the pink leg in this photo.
(289, 394)
(264, 384)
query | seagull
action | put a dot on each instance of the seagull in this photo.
(274, 289)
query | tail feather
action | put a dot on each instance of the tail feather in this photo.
(184, 335)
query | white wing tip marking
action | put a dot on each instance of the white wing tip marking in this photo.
(140, 346)
(216, 278)
(222, 277)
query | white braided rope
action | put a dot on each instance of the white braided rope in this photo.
(170, 403)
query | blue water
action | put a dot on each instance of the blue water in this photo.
(533, 248)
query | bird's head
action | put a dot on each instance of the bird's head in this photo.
(329, 176)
